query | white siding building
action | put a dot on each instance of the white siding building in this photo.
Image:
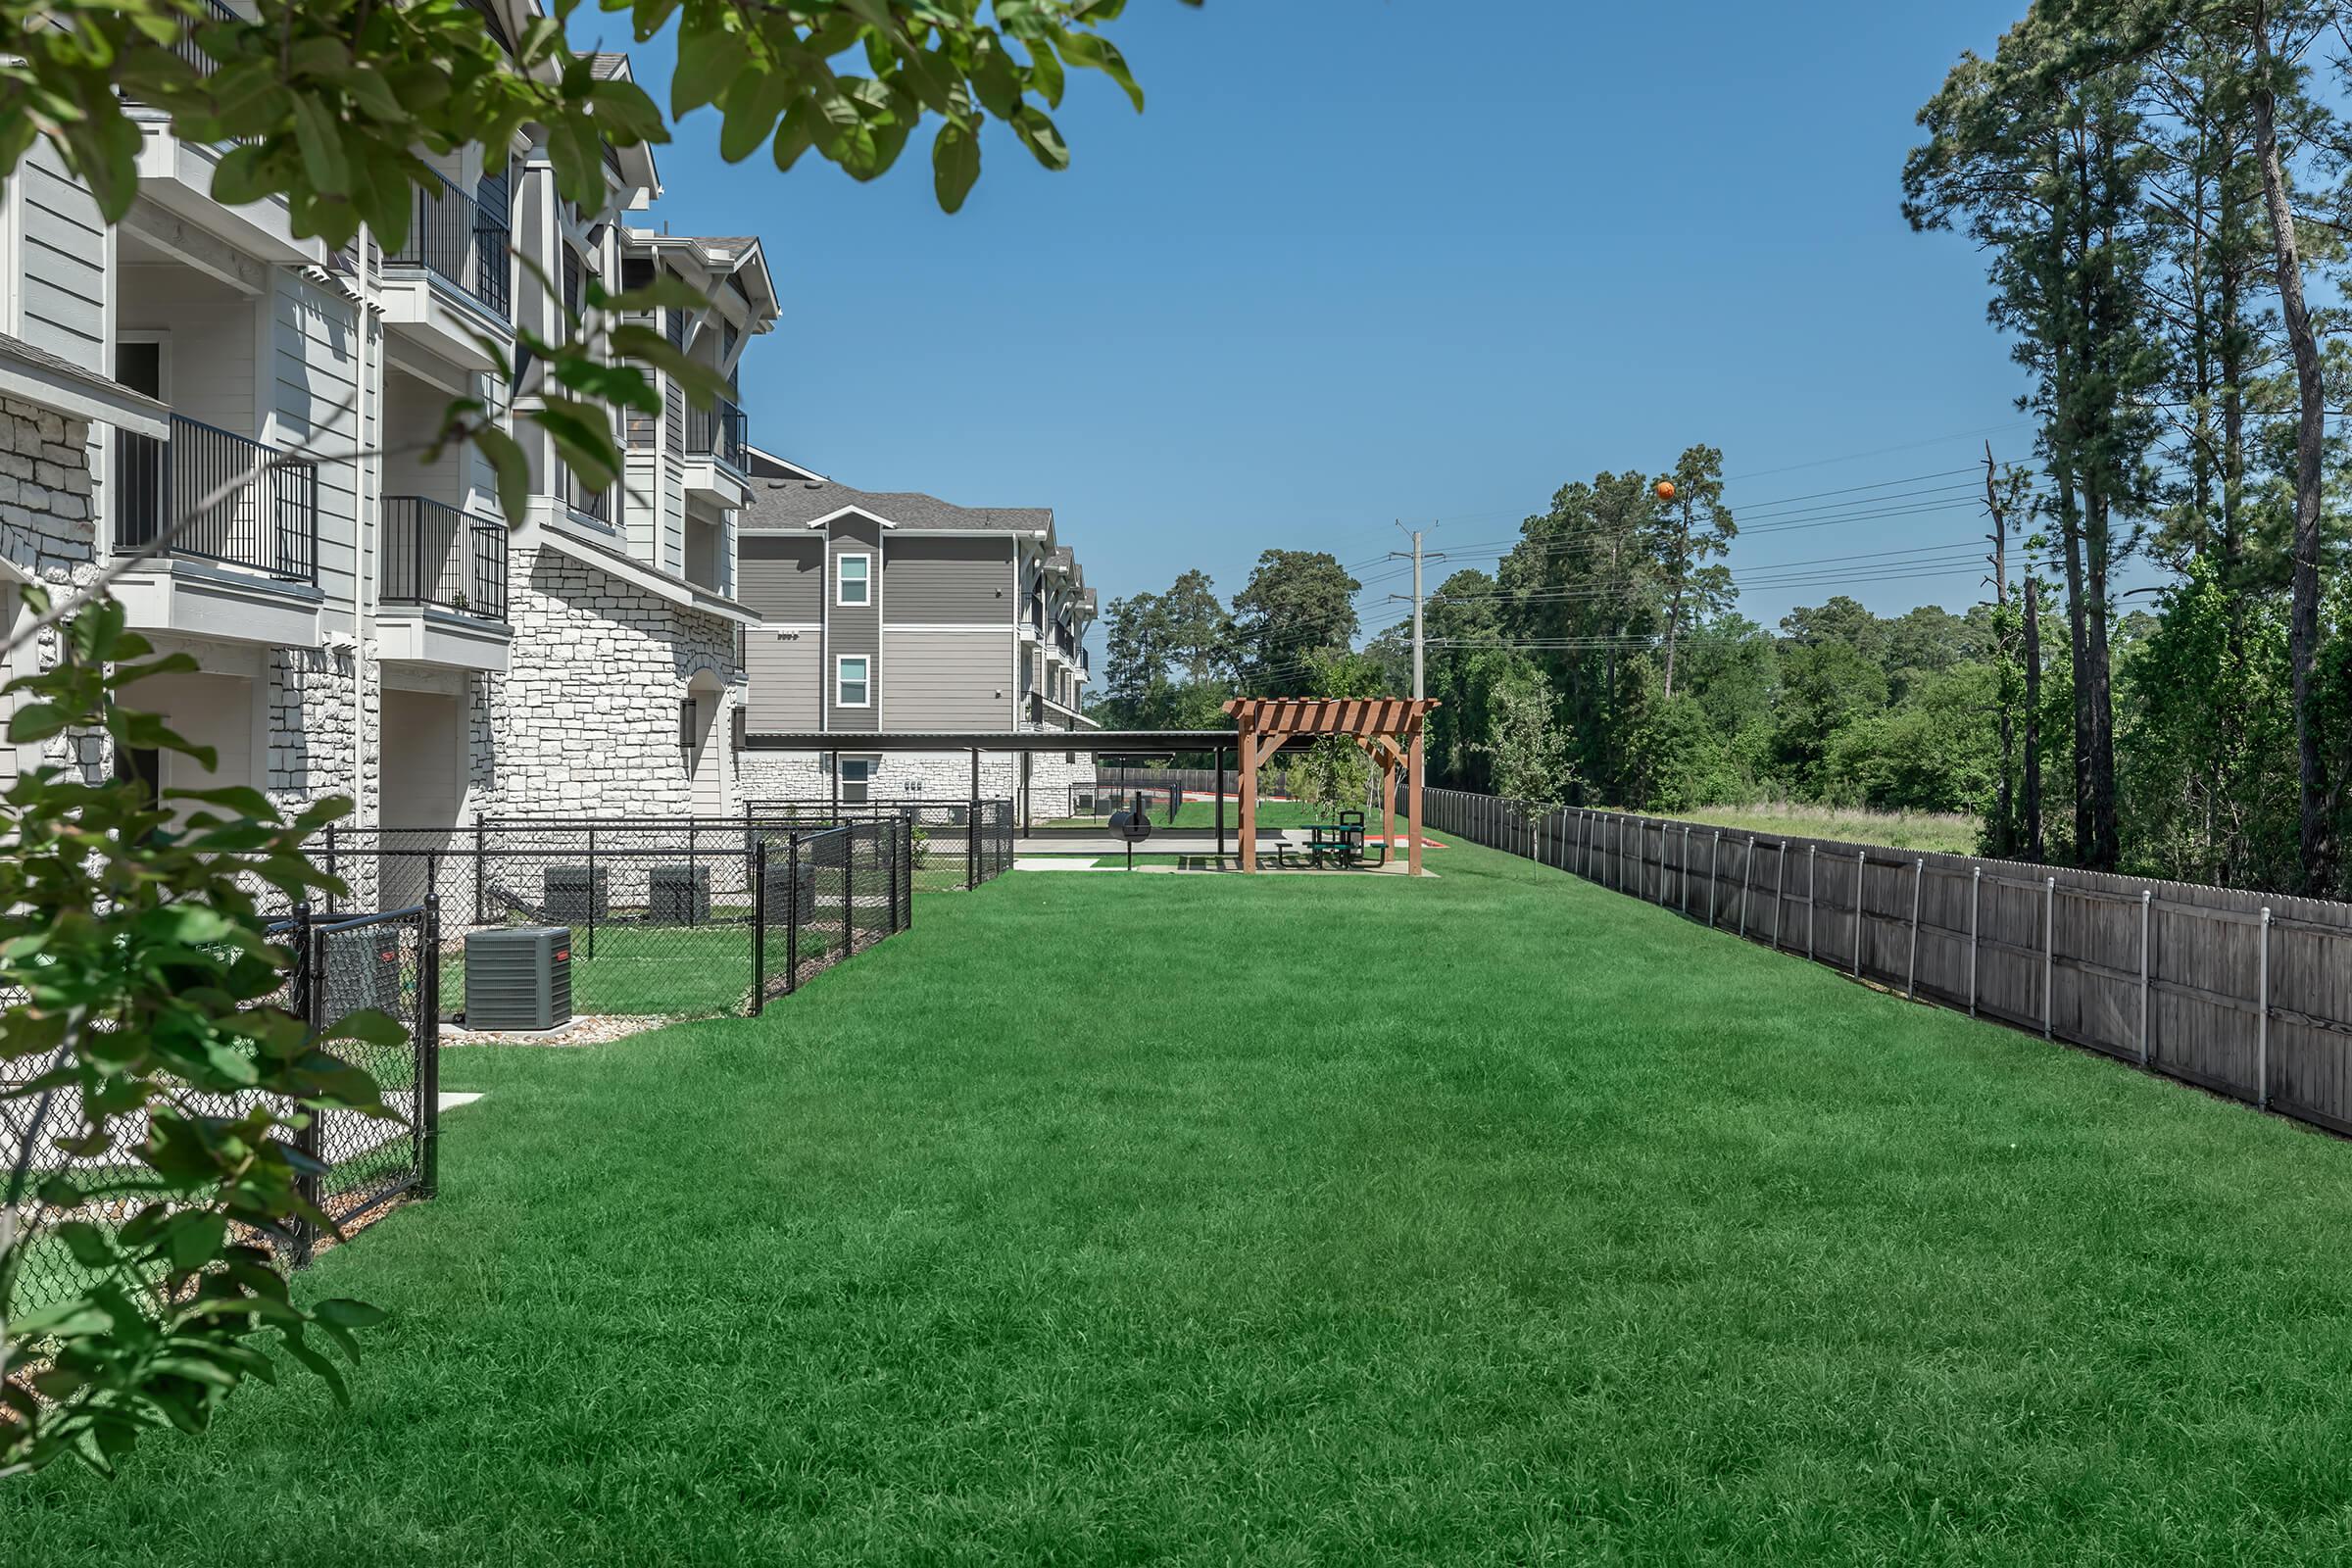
(363, 621)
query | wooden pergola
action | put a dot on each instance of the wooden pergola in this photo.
(1388, 727)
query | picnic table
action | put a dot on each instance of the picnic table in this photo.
(1342, 842)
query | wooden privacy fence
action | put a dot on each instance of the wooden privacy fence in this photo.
(2245, 993)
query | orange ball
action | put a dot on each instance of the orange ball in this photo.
(1665, 489)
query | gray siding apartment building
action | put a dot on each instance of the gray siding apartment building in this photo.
(894, 612)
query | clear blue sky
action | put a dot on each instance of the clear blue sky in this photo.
(1361, 260)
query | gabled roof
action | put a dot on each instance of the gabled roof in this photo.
(780, 504)
(766, 464)
(714, 258)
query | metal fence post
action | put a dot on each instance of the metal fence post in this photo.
(306, 1137)
(428, 1051)
(792, 913)
(971, 844)
(759, 927)
(1686, 868)
(1861, 870)
(1714, 876)
(2050, 950)
(1812, 887)
(593, 899)
(1662, 866)
(2148, 901)
(1747, 877)
(1976, 900)
(481, 897)
(849, 892)
(1918, 881)
(1780, 889)
(334, 866)
(2262, 1015)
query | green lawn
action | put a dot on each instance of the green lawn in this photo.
(1491, 1218)
(640, 971)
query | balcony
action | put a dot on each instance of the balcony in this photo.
(443, 599)
(247, 506)
(716, 466)
(230, 531)
(453, 278)
(434, 553)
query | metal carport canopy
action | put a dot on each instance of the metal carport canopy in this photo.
(1115, 742)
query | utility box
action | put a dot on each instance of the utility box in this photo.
(576, 894)
(791, 885)
(362, 970)
(518, 977)
(677, 895)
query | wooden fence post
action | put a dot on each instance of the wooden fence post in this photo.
(2049, 948)
(2262, 1016)
(1976, 900)
(1919, 880)
(1861, 860)
(2148, 897)
(1812, 892)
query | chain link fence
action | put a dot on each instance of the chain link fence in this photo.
(666, 915)
(826, 896)
(357, 1164)
(956, 845)
(1097, 801)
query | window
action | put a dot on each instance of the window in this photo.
(853, 686)
(857, 580)
(857, 780)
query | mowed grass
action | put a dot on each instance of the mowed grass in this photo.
(647, 970)
(1493, 1218)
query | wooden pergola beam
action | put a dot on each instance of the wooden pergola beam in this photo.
(1388, 729)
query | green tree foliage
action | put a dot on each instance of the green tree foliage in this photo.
(173, 1087)
(1298, 605)
(332, 106)
(1528, 752)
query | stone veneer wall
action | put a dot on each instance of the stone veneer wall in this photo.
(916, 776)
(316, 698)
(47, 530)
(586, 717)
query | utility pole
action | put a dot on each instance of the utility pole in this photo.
(1419, 690)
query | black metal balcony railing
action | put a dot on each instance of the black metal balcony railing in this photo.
(187, 48)
(240, 512)
(717, 431)
(434, 554)
(462, 241)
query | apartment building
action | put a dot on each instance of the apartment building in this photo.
(362, 620)
(893, 614)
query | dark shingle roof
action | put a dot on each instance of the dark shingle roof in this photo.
(779, 504)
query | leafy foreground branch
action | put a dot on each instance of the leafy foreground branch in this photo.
(159, 1088)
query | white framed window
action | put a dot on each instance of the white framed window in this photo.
(857, 780)
(854, 577)
(852, 681)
